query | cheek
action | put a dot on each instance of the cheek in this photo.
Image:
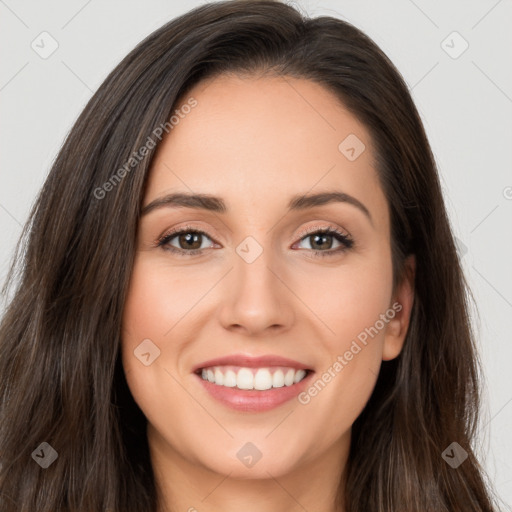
(154, 305)
(352, 298)
(147, 312)
(157, 300)
(351, 306)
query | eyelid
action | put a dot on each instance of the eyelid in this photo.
(172, 233)
(344, 238)
(324, 227)
(327, 228)
(187, 228)
(307, 231)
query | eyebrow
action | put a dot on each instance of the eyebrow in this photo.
(216, 204)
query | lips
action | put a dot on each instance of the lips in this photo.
(246, 361)
(253, 384)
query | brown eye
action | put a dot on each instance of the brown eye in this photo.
(189, 241)
(321, 242)
(185, 241)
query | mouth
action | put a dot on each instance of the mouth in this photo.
(253, 384)
(260, 379)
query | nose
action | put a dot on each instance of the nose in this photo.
(256, 297)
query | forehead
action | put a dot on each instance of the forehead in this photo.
(262, 140)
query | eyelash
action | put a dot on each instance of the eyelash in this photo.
(345, 240)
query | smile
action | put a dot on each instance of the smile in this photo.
(247, 383)
(259, 379)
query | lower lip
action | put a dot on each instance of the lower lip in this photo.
(251, 400)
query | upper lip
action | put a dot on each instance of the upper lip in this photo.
(252, 362)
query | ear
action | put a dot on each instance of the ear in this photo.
(401, 304)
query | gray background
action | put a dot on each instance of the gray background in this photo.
(465, 103)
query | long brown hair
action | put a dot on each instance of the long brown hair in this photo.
(61, 379)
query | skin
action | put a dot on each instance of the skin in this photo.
(194, 308)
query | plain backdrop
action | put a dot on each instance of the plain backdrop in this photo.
(455, 56)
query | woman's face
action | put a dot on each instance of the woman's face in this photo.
(263, 284)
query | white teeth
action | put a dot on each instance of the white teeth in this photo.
(299, 376)
(252, 378)
(262, 379)
(230, 379)
(278, 379)
(219, 377)
(245, 379)
(288, 378)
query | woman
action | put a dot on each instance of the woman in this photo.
(180, 339)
